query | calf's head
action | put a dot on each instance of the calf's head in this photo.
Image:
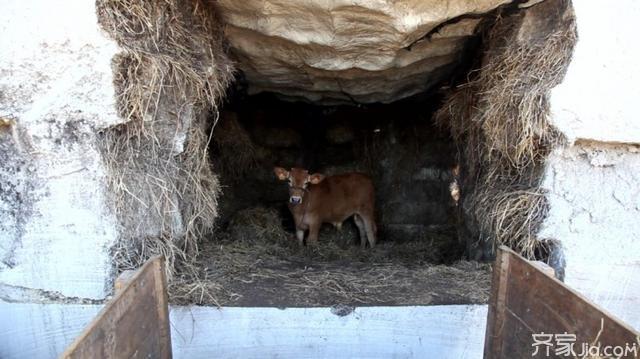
(299, 180)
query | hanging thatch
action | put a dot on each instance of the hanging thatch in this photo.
(500, 121)
(168, 79)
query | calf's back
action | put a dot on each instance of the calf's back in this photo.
(340, 196)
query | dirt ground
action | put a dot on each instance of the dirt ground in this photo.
(254, 262)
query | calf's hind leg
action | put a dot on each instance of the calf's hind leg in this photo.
(370, 228)
(361, 229)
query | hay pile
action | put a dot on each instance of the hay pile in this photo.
(168, 79)
(235, 153)
(500, 121)
(254, 262)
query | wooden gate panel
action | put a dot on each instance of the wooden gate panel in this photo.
(526, 301)
(134, 324)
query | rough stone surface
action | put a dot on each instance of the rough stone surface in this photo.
(339, 50)
(55, 92)
(594, 194)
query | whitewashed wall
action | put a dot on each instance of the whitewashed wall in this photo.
(598, 98)
(595, 213)
(445, 332)
(56, 86)
(594, 183)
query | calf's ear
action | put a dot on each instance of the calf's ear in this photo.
(316, 178)
(281, 173)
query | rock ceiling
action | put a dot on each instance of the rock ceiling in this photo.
(332, 51)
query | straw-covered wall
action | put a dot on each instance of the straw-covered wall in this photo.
(169, 78)
(500, 120)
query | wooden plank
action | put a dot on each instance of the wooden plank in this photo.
(536, 302)
(134, 324)
(123, 280)
(544, 267)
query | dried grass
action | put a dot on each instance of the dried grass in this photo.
(171, 75)
(500, 120)
(236, 153)
(255, 262)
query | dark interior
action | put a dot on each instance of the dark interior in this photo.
(397, 144)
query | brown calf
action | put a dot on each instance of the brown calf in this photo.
(316, 199)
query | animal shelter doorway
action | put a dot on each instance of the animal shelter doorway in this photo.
(417, 259)
(191, 171)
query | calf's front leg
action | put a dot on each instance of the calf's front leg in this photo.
(314, 229)
(300, 236)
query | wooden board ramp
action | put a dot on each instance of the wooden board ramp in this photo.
(525, 301)
(135, 323)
